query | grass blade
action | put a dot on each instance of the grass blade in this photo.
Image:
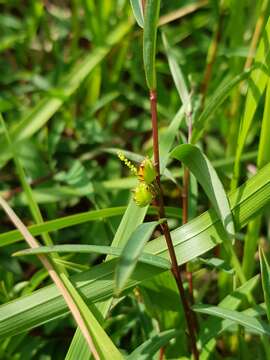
(215, 101)
(265, 271)
(148, 349)
(178, 76)
(251, 238)
(137, 11)
(167, 138)
(206, 175)
(212, 327)
(108, 250)
(13, 236)
(131, 253)
(257, 84)
(264, 144)
(235, 316)
(149, 41)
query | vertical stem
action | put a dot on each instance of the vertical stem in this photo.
(256, 35)
(211, 58)
(161, 353)
(185, 205)
(165, 229)
(143, 5)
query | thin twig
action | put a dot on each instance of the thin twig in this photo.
(211, 58)
(180, 13)
(7, 195)
(256, 35)
(165, 229)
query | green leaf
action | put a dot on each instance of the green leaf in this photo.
(108, 250)
(217, 263)
(257, 84)
(13, 236)
(265, 271)
(206, 175)
(147, 350)
(252, 235)
(166, 309)
(131, 253)
(212, 327)
(215, 101)
(149, 41)
(264, 144)
(239, 318)
(137, 11)
(178, 76)
(104, 345)
(167, 138)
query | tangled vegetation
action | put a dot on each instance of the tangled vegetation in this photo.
(135, 179)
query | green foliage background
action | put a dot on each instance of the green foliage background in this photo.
(72, 93)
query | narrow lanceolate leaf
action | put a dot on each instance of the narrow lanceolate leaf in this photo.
(149, 41)
(103, 343)
(148, 349)
(150, 259)
(265, 271)
(212, 327)
(137, 11)
(257, 84)
(252, 235)
(131, 253)
(247, 321)
(200, 166)
(13, 236)
(167, 138)
(178, 76)
(220, 95)
(264, 144)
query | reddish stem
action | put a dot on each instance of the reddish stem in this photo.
(161, 353)
(185, 205)
(165, 229)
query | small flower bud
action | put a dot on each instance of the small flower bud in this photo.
(147, 171)
(142, 195)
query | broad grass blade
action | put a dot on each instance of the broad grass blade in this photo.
(149, 41)
(138, 11)
(131, 253)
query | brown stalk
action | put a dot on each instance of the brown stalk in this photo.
(180, 13)
(256, 35)
(211, 58)
(250, 58)
(7, 195)
(165, 229)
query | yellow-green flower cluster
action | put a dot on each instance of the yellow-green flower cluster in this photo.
(128, 163)
(145, 192)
